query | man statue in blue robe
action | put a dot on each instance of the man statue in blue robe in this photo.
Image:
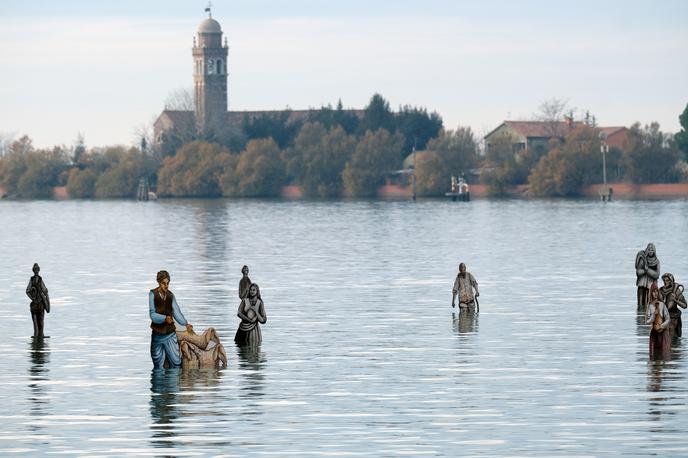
(164, 311)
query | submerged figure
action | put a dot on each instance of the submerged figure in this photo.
(164, 311)
(40, 301)
(195, 349)
(657, 316)
(244, 283)
(463, 287)
(251, 311)
(646, 271)
(672, 295)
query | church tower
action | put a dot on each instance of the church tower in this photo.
(210, 75)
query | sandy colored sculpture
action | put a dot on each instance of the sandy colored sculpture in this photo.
(464, 285)
(196, 349)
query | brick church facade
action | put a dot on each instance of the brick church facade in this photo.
(211, 71)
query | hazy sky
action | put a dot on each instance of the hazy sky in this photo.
(106, 68)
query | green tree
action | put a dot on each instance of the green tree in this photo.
(79, 149)
(650, 157)
(417, 127)
(259, 171)
(81, 184)
(308, 143)
(377, 115)
(329, 117)
(377, 153)
(278, 125)
(431, 174)
(29, 173)
(42, 174)
(506, 166)
(325, 154)
(458, 149)
(13, 163)
(233, 137)
(194, 171)
(121, 178)
(172, 140)
(566, 168)
(681, 138)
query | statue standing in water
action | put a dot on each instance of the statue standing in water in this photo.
(657, 316)
(244, 283)
(463, 287)
(672, 295)
(40, 302)
(251, 311)
(164, 311)
(646, 271)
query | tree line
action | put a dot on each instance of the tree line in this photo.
(335, 152)
(574, 162)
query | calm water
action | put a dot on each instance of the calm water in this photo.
(362, 355)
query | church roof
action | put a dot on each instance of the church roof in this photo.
(610, 130)
(179, 116)
(209, 25)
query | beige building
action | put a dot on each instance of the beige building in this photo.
(536, 135)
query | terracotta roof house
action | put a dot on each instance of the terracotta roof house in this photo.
(536, 135)
(615, 137)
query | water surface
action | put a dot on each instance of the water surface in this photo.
(362, 353)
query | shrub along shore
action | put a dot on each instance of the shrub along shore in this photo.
(335, 153)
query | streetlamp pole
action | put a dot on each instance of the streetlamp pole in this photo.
(604, 149)
(413, 178)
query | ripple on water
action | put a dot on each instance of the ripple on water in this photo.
(362, 353)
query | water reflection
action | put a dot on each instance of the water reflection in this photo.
(39, 353)
(200, 379)
(164, 411)
(251, 362)
(665, 384)
(466, 321)
(212, 220)
(641, 329)
(389, 380)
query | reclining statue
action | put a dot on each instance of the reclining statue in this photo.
(197, 352)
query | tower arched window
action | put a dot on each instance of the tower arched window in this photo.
(220, 67)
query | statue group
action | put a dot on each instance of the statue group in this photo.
(662, 305)
(171, 347)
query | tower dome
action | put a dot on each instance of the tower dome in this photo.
(209, 25)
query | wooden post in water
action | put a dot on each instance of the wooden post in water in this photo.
(142, 193)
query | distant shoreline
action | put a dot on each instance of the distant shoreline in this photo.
(622, 191)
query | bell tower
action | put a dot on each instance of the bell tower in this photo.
(210, 75)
